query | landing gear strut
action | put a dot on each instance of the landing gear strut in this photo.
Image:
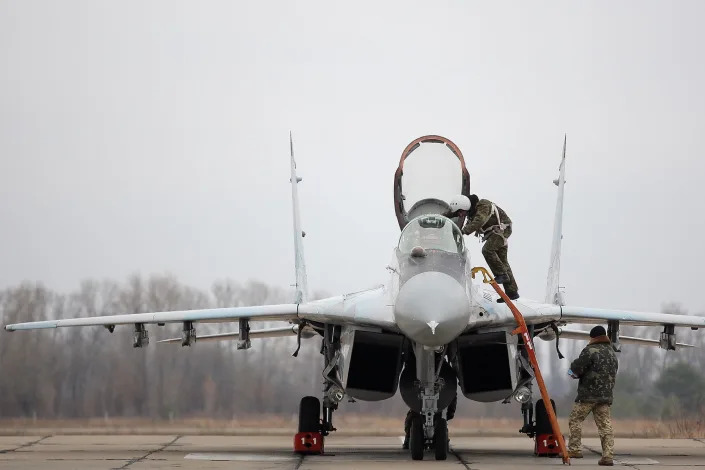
(332, 389)
(428, 429)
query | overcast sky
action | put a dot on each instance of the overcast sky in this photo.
(152, 137)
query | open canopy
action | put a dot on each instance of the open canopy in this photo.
(426, 183)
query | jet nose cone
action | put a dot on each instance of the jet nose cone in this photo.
(432, 308)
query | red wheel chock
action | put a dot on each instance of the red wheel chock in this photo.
(546, 446)
(308, 443)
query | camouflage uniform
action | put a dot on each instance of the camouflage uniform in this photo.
(597, 368)
(495, 248)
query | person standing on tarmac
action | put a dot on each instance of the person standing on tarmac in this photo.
(596, 367)
(489, 221)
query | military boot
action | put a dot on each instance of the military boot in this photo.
(512, 296)
(606, 461)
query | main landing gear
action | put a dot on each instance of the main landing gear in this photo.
(312, 429)
(312, 426)
(309, 439)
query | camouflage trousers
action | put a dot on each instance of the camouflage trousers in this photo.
(495, 252)
(601, 413)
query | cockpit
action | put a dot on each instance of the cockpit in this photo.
(431, 232)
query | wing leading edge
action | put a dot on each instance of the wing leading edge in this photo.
(282, 312)
(535, 312)
(365, 308)
(598, 315)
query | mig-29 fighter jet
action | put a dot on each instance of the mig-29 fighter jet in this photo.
(429, 331)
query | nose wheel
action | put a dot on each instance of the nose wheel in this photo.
(417, 439)
(440, 439)
(418, 443)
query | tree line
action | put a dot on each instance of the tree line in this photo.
(89, 372)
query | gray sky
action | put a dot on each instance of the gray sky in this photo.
(152, 137)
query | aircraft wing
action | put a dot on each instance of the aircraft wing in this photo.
(259, 313)
(536, 313)
(369, 308)
(626, 317)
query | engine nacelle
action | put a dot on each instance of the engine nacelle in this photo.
(370, 363)
(486, 366)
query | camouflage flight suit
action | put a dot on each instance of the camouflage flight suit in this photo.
(597, 368)
(495, 247)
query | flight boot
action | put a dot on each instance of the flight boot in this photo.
(512, 296)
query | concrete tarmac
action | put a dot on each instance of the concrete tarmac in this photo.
(142, 452)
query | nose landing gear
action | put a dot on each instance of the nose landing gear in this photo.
(428, 429)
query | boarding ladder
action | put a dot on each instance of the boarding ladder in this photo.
(529, 344)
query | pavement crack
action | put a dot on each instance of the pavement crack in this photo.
(702, 441)
(300, 461)
(461, 459)
(593, 450)
(139, 459)
(5, 451)
(621, 462)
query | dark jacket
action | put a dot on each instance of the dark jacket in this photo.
(484, 217)
(597, 368)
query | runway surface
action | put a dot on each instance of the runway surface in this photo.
(138, 452)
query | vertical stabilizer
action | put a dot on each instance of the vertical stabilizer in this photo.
(553, 294)
(300, 264)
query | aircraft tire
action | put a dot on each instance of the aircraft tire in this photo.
(310, 415)
(543, 422)
(417, 438)
(440, 439)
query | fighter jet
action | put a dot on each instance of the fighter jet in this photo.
(428, 332)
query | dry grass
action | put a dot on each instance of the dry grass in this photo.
(347, 425)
